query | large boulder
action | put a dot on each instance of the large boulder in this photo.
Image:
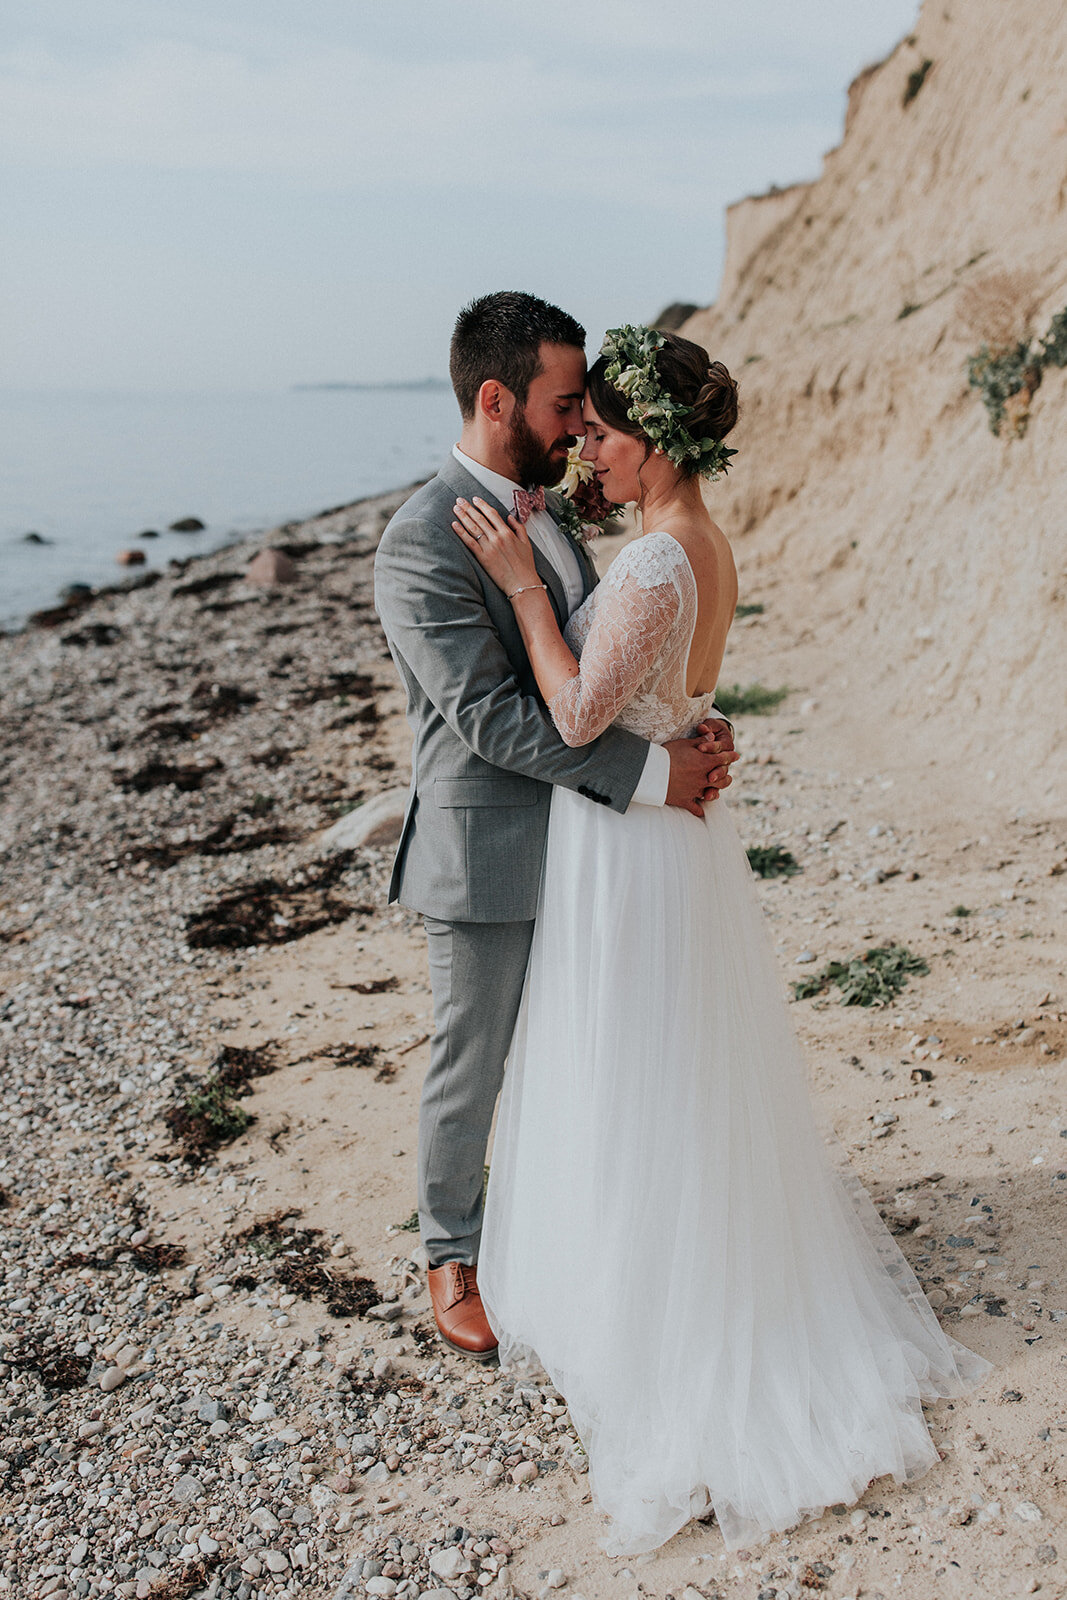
(377, 822)
(271, 567)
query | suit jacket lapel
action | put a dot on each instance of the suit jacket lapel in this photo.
(586, 564)
(458, 478)
(590, 575)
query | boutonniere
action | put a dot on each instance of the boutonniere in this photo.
(583, 512)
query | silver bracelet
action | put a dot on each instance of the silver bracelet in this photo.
(525, 587)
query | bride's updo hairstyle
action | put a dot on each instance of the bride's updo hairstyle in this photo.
(684, 370)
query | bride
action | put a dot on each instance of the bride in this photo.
(667, 1232)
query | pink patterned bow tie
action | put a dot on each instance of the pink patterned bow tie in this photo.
(528, 501)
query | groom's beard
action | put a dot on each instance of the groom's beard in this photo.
(532, 462)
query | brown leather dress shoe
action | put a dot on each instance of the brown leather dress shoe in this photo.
(458, 1309)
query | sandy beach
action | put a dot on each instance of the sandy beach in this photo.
(220, 1371)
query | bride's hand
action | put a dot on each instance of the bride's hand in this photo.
(502, 548)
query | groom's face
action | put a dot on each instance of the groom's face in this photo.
(542, 431)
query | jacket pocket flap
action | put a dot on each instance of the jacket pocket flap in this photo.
(510, 791)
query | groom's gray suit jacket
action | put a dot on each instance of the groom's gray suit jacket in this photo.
(486, 753)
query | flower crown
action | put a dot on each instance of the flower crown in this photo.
(630, 354)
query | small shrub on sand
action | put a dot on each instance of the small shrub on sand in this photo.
(755, 700)
(872, 979)
(771, 861)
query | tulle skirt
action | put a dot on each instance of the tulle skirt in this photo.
(668, 1231)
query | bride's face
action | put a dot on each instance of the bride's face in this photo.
(617, 458)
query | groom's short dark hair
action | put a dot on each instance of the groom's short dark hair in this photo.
(499, 336)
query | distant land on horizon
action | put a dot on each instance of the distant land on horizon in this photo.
(411, 383)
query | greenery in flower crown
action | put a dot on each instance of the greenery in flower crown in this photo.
(631, 356)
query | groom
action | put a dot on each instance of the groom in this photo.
(486, 754)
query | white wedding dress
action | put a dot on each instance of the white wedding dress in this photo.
(667, 1230)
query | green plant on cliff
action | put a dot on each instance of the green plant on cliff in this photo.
(915, 82)
(1008, 377)
(998, 376)
(1054, 345)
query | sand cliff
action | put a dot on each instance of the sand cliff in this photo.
(924, 556)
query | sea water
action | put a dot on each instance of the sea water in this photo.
(90, 472)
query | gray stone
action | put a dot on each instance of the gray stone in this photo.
(270, 568)
(385, 1312)
(188, 1489)
(449, 1563)
(377, 822)
(350, 1582)
(265, 1520)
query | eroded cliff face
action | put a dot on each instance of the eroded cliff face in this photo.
(923, 559)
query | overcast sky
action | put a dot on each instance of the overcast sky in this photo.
(248, 194)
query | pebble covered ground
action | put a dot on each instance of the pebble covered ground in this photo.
(207, 1387)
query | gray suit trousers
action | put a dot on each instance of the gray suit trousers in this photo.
(477, 971)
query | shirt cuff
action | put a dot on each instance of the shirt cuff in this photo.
(652, 785)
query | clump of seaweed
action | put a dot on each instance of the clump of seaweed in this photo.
(301, 1265)
(193, 1576)
(347, 1054)
(872, 979)
(755, 700)
(273, 911)
(150, 1258)
(56, 1367)
(208, 1115)
(772, 861)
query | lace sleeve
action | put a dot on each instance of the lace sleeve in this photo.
(635, 609)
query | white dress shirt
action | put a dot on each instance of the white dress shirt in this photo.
(558, 550)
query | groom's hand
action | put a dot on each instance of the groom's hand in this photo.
(700, 767)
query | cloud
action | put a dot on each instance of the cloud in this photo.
(348, 119)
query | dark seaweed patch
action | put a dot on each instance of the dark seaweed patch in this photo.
(158, 774)
(208, 1114)
(273, 911)
(301, 1265)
